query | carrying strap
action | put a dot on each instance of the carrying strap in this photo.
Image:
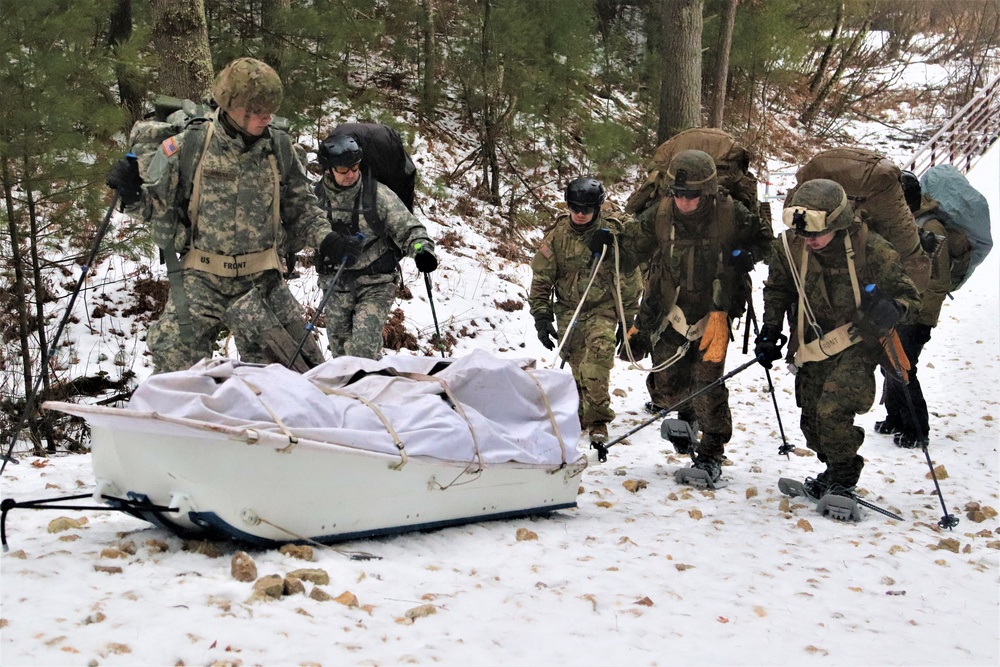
(825, 344)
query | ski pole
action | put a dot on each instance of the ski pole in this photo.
(602, 449)
(30, 398)
(311, 325)
(430, 300)
(786, 448)
(948, 521)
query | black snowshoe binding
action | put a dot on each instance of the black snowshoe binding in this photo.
(908, 440)
(704, 473)
(652, 408)
(682, 434)
(887, 427)
(832, 500)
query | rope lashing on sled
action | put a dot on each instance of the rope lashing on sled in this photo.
(292, 438)
(396, 440)
(457, 406)
(552, 418)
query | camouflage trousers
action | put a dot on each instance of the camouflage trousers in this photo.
(260, 311)
(830, 394)
(590, 353)
(686, 376)
(356, 313)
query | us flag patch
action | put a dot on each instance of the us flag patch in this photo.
(546, 251)
(169, 146)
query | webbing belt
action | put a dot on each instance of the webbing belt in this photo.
(232, 266)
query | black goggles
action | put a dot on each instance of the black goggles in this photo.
(684, 193)
(581, 208)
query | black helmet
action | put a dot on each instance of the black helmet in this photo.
(585, 192)
(911, 190)
(339, 150)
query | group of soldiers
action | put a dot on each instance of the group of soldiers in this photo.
(246, 204)
(843, 289)
(667, 283)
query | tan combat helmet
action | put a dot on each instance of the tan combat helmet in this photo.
(817, 207)
(692, 173)
(248, 83)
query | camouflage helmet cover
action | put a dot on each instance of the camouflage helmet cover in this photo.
(817, 207)
(248, 83)
(693, 171)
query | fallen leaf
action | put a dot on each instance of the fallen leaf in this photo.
(815, 649)
(760, 611)
(645, 602)
(683, 566)
(722, 619)
(422, 611)
(635, 485)
(523, 535)
(804, 525)
(751, 492)
(349, 599)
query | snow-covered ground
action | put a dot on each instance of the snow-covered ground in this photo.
(658, 575)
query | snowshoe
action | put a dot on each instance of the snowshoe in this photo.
(682, 434)
(652, 408)
(703, 474)
(833, 501)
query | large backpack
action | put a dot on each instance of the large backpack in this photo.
(872, 184)
(385, 159)
(170, 117)
(968, 215)
(732, 162)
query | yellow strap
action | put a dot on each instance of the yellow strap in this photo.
(230, 266)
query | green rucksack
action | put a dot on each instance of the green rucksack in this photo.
(967, 219)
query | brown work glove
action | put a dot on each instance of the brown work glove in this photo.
(715, 341)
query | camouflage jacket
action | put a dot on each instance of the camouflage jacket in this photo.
(562, 267)
(401, 228)
(236, 213)
(828, 286)
(686, 253)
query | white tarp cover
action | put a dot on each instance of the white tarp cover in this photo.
(503, 411)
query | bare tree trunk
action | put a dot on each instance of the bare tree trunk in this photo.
(119, 33)
(831, 43)
(43, 341)
(19, 287)
(680, 87)
(272, 32)
(721, 77)
(823, 93)
(429, 89)
(180, 37)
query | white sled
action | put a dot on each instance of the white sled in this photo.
(352, 449)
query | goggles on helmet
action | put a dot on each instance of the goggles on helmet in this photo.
(685, 193)
(806, 221)
(347, 170)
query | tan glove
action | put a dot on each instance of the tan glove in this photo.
(715, 341)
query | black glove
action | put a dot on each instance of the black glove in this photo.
(880, 314)
(930, 242)
(767, 346)
(124, 177)
(602, 238)
(425, 261)
(337, 248)
(740, 260)
(546, 332)
(622, 331)
(640, 344)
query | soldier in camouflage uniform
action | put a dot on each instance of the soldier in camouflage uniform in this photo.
(700, 245)
(229, 226)
(942, 247)
(844, 290)
(562, 268)
(358, 307)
